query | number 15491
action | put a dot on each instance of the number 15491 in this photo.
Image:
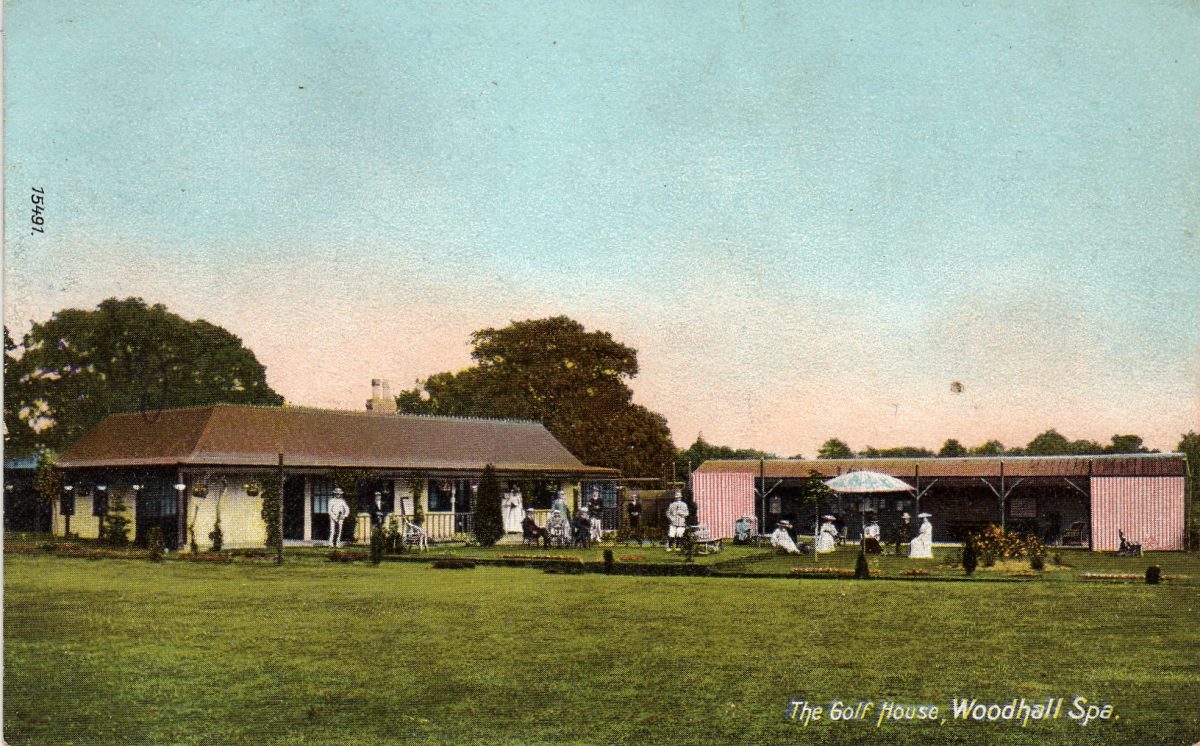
(39, 206)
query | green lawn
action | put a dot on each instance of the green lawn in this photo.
(120, 651)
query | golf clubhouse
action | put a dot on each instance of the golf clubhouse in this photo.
(175, 469)
(1080, 500)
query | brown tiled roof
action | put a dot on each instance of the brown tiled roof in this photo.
(233, 435)
(1143, 464)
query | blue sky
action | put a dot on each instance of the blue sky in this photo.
(808, 220)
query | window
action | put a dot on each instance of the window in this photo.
(322, 490)
(99, 502)
(441, 496)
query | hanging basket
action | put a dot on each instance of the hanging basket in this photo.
(200, 490)
(252, 489)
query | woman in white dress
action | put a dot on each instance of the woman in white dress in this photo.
(827, 536)
(781, 539)
(514, 511)
(922, 546)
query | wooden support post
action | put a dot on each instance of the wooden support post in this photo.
(279, 542)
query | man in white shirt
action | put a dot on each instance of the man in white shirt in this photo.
(338, 510)
(677, 515)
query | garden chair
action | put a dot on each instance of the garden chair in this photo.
(415, 536)
(1128, 548)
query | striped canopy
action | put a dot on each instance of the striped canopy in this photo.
(866, 481)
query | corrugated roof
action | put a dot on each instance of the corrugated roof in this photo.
(238, 435)
(1134, 464)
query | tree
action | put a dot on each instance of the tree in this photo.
(898, 452)
(1049, 443)
(834, 448)
(124, 356)
(571, 380)
(952, 448)
(1126, 444)
(990, 448)
(700, 451)
(19, 438)
(1189, 444)
(489, 519)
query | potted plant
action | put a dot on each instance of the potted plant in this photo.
(200, 489)
(252, 488)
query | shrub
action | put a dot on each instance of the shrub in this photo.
(1153, 574)
(377, 544)
(115, 524)
(970, 557)
(995, 543)
(608, 561)
(1058, 558)
(454, 564)
(217, 536)
(489, 518)
(862, 570)
(1037, 562)
(156, 544)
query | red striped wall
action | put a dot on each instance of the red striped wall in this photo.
(721, 499)
(1148, 509)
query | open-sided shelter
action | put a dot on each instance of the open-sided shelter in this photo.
(1143, 495)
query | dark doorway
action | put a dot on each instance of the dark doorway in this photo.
(322, 490)
(157, 505)
(293, 507)
(24, 510)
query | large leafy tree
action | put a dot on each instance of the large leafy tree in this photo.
(834, 448)
(952, 448)
(897, 452)
(572, 380)
(83, 365)
(701, 451)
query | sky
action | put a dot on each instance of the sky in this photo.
(809, 220)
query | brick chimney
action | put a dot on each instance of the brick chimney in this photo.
(381, 400)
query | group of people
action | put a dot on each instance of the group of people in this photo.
(920, 547)
(586, 527)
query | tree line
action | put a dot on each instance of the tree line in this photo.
(70, 372)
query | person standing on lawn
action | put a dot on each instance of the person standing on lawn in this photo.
(902, 532)
(338, 510)
(583, 528)
(634, 511)
(596, 511)
(560, 504)
(677, 515)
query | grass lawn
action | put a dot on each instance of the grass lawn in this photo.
(121, 651)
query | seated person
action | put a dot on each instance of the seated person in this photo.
(782, 540)
(871, 536)
(532, 531)
(558, 528)
(583, 528)
(742, 529)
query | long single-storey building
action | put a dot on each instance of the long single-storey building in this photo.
(1082, 499)
(176, 468)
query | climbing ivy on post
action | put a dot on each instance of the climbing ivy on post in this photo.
(272, 508)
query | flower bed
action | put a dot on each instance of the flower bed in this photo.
(218, 557)
(846, 571)
(1024, 574)
(77, 550)
(1126, 576)
(631, 558)
(914, 572)
(558, 557)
